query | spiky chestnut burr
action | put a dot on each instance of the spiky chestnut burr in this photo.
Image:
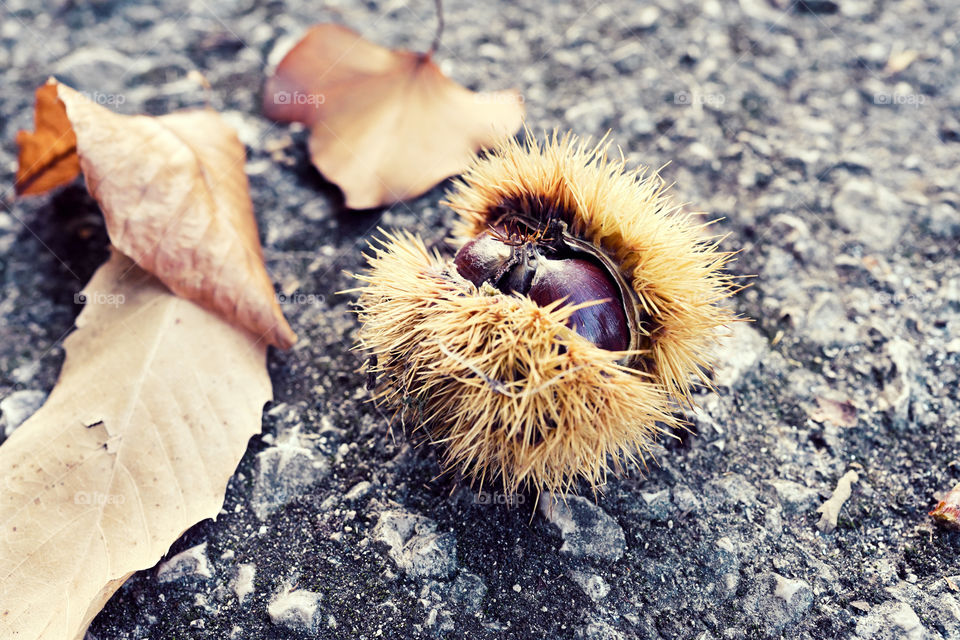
(565, 332)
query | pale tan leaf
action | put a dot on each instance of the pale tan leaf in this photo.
(384, 125)
(175, 199)
(152, 412)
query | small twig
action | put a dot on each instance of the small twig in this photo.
(436, 38)
(831, 508)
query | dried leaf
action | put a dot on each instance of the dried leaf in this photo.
(175, 199)
(947, 511)
(150, 416)
(384, 125)
(48, 157)
(842, 414)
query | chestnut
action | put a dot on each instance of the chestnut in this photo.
(548, 271)
(563, 334)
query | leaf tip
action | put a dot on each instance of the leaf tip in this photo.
(47, 157)
(283, 336)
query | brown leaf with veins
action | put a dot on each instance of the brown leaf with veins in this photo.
(136, 443)
(175, 199)
(48, 157)
(385, 125)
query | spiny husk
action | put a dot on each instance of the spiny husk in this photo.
(510, 392)
(676, 272)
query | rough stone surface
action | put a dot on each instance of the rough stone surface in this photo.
(295, 609)
(871, 211)
(794, 496)
(777, 602)
(191, 563)
(414, 544)
(468, 590)
(891, 621)
(593, 585)
(587, 530)
(737, 354)
(834, 170)
(598, 630)
(284, 472)
(243, 583)
(17, 407)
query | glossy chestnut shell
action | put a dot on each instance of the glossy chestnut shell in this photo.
(550, 265)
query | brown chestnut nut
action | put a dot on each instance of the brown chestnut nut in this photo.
(547, 271)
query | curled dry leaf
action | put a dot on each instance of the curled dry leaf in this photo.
(150, 416)
(174, 196)
(947, 511)
(384, 125)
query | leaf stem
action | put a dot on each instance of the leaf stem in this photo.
(436, 38)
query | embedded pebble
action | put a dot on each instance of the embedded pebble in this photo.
(586, 529)
(190, 563)
(283, 472)
(776, 602)
(358, 491)
(794, 496)
(593, 585)
(296, 609)
(738, 353)
(468, 590)
(598, 630)
(872, 212)
(243, 582)
(17, 407)
(891, 621)
(415, 546)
